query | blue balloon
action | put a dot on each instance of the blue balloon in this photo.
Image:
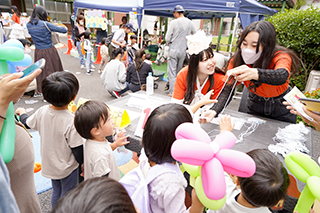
(26, 61)
(11, 68)
(13, 43)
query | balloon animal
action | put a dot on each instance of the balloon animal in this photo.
(11, 55)
(211, 158)
(308, 171)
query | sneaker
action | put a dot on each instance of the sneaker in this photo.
(89, 72)
(36, 95)
(167, 86)
(114, 94)
(99, 71)
(82, 67)
(92, 67)
(155, 78)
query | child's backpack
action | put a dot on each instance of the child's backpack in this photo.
(137, 180)
(109, 38)
(83, 51)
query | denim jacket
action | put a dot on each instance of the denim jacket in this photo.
(40, 35)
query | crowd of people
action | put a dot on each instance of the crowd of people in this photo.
(74, 145)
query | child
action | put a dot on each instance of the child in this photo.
(264, 189)
(104, 54)
(148, 59)
(132, 48)
(61, 145)
(100, 194)
(167, 191)
(87, 46)
(92, 121)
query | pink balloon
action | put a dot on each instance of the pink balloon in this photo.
(192, 132)
(193, 146)
(236, 163)
(213, 178)
(191, 152)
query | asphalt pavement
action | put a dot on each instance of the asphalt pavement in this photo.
(92, 88)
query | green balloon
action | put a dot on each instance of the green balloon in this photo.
(8, 53)
(211, 204)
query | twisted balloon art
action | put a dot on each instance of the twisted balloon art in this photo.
(11, 55)
(308, 171)
(207, 160)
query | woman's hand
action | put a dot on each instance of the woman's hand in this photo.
(207, 116)
(244, 73)
(204, 101)
(316, 118)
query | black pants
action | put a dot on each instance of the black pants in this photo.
(267, 107)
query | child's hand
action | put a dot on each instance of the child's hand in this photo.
(225, 123)
(19, 111)
(207, 98)
(196, 206)
(121, 139)
(82, 171)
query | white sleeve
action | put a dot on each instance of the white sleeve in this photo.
(122, 75)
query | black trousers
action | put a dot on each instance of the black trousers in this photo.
(266, 107)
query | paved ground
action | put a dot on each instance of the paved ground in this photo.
(91, 88)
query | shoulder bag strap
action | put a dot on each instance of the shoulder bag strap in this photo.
(137, 73)
(47, 26)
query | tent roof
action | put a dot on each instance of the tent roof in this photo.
(124, 7)
(202, 9)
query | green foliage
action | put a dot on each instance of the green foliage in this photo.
(299, 30)
(299, 3)
(315, 94)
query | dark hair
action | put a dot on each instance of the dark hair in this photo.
(133, 37)
(38, 13)
(25, 42)
(124, 19)
(270, 48)
(138, 59)
(116, 52)
(88, 116)
(15, 9)
(148, 56)
(86, 34)
(159, 131)
(60, 88)
(103, 41)
(193, 73)
(80, 17)
(96, 195)
(269, 183)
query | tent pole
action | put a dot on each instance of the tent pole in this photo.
(234, 32)
(141, 31)
(220, 32)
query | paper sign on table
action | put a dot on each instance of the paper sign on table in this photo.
(120, 117)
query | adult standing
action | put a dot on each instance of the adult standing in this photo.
(38, 28)
(72, 19)
(118, 39)
(155, 30)
(264, 67)
(15, 14)
(176, 39)
(138, 71)
(79, 30)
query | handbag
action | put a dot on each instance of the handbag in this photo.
(54, 36)
(143, 87)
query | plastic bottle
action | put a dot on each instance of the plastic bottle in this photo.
(150, 84)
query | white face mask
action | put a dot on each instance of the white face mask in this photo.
(81, 22)
(26, 51)
(250, 56)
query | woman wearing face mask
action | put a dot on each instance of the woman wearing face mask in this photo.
(264, 67)
(201, 76)
(79, 30)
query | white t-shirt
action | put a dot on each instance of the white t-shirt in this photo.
(119, 36)
(231, 205)
(99, 160)
(57, 136)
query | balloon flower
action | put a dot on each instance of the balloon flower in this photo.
(11, 55)
(308, 171)
(206, 161)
